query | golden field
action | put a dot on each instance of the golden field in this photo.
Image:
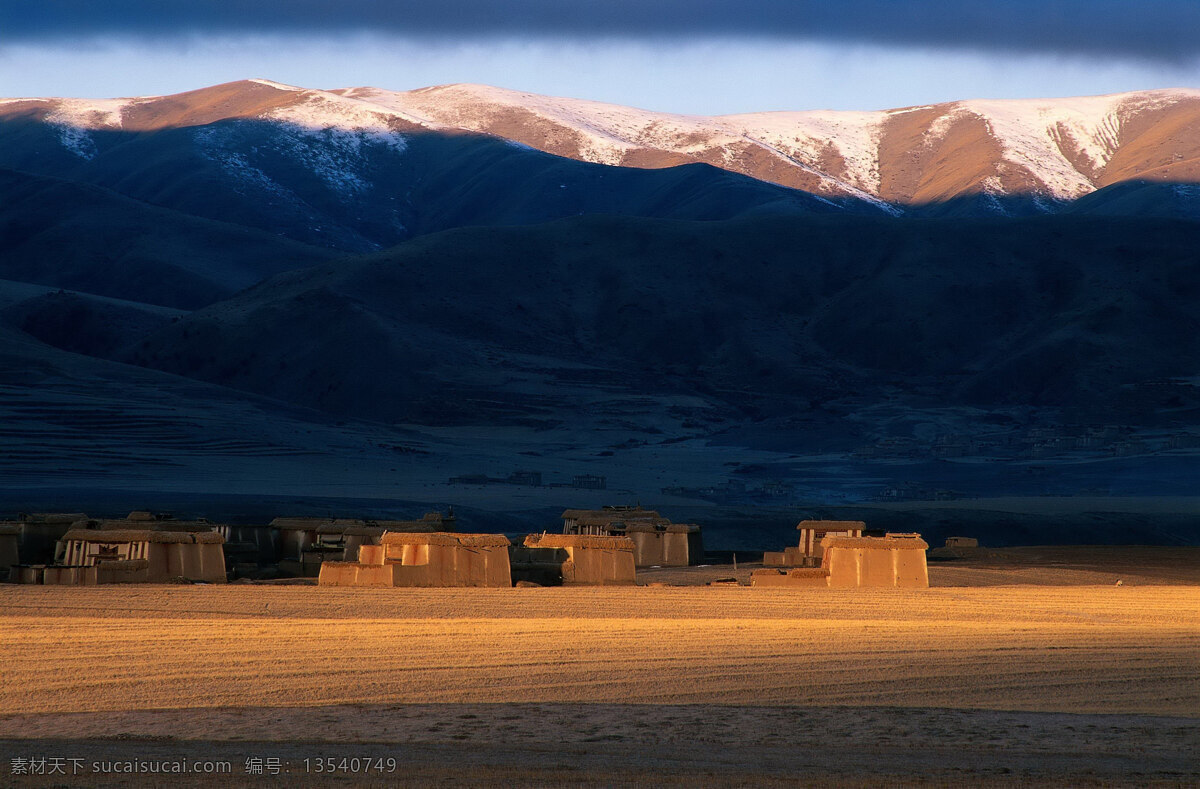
(1063, 649)
(483, 682)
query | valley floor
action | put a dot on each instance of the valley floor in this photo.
(997, 685)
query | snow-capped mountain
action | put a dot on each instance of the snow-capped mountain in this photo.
(983, 154)
(351, 174)
(467, 256)
(1059, 149)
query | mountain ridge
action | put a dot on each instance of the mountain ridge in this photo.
(335, 172)
(1050, 150)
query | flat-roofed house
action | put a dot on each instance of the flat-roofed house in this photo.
(322, 535)
(575, 559)
(600, 522)
(809, 552)
(426, 560)
(657, 541)
(146, 555)
(665, 544)
(896, 560)
(892, 561)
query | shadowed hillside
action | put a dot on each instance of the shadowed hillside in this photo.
(1071, 313)
(358, 191)
(72, 235)
(279, 289)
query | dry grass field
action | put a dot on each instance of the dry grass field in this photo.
(1094, 685)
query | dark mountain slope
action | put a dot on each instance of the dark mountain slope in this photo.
(81, 237)
(1141, 198)
(1046, 312)
(360, 190)
(85, 324)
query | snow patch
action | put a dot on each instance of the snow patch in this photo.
(381, 104)
(75, 118)
(829, 183)
(77, 141)
(607, 133)
(1039, 134)
(336, 156)
(326, 134)
(276, 85)
(215, 144)
(330, 135)
(941, 125)
(347, 118)
(89, 113)
(854, 136)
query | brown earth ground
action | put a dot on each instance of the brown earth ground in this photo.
(1021, 666)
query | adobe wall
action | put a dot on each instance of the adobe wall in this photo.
(193, 561)
(353, 543)
(912, 570)
(370, 554)
(800, 577)
(876, 567)
(355, 574)
(422, 565)
(212, 563)
(9, 555)
(165, 562)
(28, 574)
(598, 566)
(665, 549)
(338, 574)
(844, 566)
(408, 554)
(129, 571)
(792, 556)
(70, 576)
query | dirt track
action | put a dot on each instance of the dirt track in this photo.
(302, 664)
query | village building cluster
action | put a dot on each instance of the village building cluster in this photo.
(657, 542)
(836, 554)
(599, 547)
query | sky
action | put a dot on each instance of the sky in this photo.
(692, 56)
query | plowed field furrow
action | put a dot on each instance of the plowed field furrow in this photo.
(1050, 649)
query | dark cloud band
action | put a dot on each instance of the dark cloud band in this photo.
(1157, 29)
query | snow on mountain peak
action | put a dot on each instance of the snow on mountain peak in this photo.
(1049, 149)
(74, 118)
(321, 111)
(276, 85)
(89, 113)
